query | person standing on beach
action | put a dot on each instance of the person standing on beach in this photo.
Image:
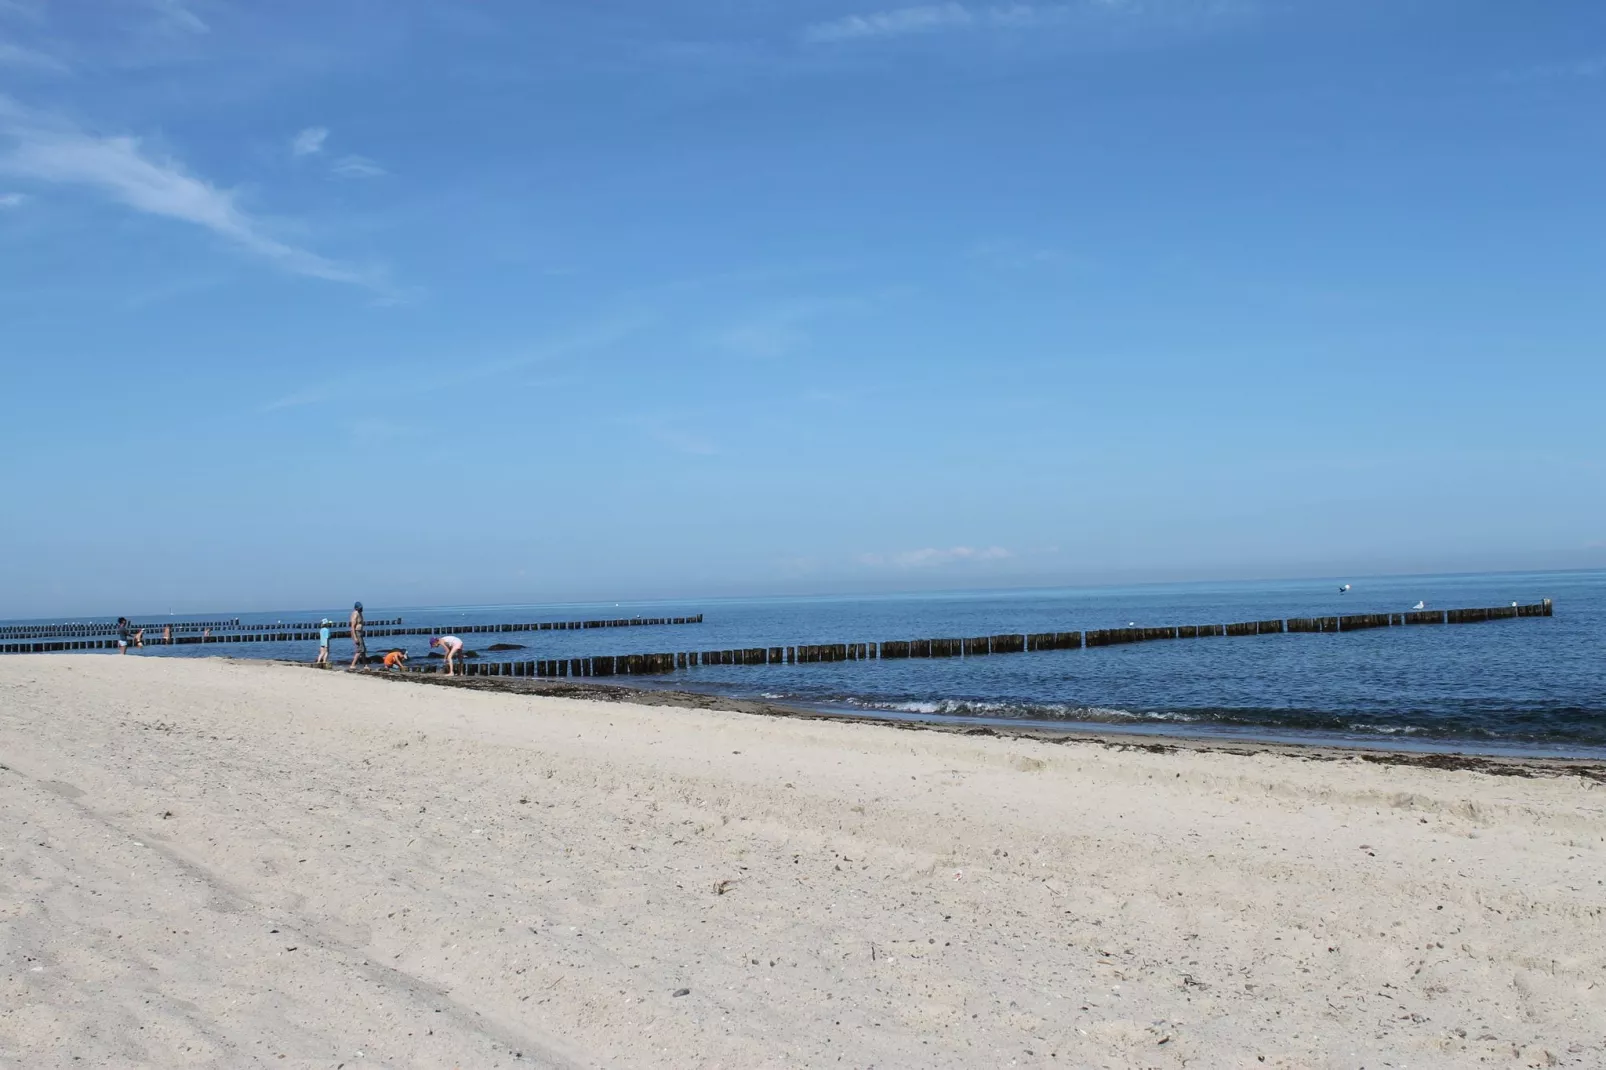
(359, 642)
(452, 646)
(323, 643)
(124, 632)
(167, 635)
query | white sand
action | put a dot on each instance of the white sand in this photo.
(207, 863)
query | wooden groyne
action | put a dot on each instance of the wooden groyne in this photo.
(92, 629)
(308, 632)
(86, 629)
(652, 664)
(537, 626)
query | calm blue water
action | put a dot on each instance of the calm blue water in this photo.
(1534, 685)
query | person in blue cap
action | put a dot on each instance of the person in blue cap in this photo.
(323, 642)
(359, 644)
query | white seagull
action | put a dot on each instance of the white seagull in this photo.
(1419, 605)
(1344, 588)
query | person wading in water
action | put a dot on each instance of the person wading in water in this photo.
(359, 644)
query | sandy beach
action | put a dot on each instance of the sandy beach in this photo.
(216, 863)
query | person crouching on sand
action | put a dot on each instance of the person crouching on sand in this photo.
(451, 646)
(396, 659)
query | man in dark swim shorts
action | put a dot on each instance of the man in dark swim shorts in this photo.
(359, 641)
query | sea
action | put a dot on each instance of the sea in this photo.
(1529, 686)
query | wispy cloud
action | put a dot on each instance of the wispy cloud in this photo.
(300, 398)
(357, 167)
(12, 200)
(309, 142)
(1566, 71)
(680, 440)
(423, 376)
(20, 9)
(783, 329)
(373, 430)
(954, 16)
(1018, 256)
(28, 59)
(120, 168)
(895, 23)
(934, 557)
(174, 15)
(765, 339)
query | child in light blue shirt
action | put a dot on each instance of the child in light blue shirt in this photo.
(323, 643)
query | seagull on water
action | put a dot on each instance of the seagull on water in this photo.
(1419, 605)
(1344, 588)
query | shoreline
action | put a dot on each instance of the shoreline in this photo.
(1158, 741)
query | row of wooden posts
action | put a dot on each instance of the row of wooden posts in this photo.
(539, 626)
(297, 627)
(178, 627)
(651, 664)
(373, 628)
(84, 629)
(301, 633)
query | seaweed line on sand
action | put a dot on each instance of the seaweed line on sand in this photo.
(1312, 752)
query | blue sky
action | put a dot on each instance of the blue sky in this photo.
(442, 302)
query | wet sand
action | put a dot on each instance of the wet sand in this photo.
(219, 863)
(1424, 756)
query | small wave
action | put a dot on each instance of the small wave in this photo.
(1020, 711)
(1557, 725)
(1099, 713)
(907, 707)
(945, 707)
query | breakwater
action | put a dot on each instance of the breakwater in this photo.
(307, 632)
(94, 629)
(978, 646)
(87, 629)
